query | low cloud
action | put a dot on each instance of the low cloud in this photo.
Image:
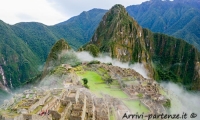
(183, 100)
(53, 81)
(138, 67)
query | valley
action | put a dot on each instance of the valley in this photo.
(103, 64)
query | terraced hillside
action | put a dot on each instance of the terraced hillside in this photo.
(109, 94)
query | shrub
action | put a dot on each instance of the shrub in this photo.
(85, 81)
(167, 104)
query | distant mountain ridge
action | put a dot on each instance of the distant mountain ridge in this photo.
(179, 18)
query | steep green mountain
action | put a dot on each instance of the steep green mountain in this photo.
(55, 56)
(77, 31)
(179, 18)
(37, 36)
(25, 46)
(165, 57)
(17, 61)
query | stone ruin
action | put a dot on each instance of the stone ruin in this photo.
(75, 102)
(60, 104)
(139, 85)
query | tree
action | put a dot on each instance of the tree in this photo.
(109, 80)
(85, 81)
(93, 49)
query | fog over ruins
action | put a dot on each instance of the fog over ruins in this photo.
(64, 96)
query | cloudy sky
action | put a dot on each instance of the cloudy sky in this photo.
(51, 12)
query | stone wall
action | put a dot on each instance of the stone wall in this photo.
(40, 102)
(66, 112)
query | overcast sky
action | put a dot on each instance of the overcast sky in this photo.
(51, 12)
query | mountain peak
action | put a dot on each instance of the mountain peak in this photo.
(118, 7)
(116, 28)
(120, 35)
(53, 57)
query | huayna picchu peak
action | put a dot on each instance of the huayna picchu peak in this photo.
(166, 58)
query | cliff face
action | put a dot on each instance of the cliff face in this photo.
(165, 57)
(122, 37)
(173, 59)
(119, 34)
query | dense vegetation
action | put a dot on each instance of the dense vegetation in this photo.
(179, 18)
(25, 46)
(57, 56)
(167, 58)
(16, 58)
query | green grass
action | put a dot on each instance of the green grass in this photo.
(134, 106)
(102, 70)
(94, 78)
(112, 116)
(103, 73)
(98, 86)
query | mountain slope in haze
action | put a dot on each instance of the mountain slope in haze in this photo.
(165, 57)
(179, 18)
(54, 58)
(24, 46)
(17, 61)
